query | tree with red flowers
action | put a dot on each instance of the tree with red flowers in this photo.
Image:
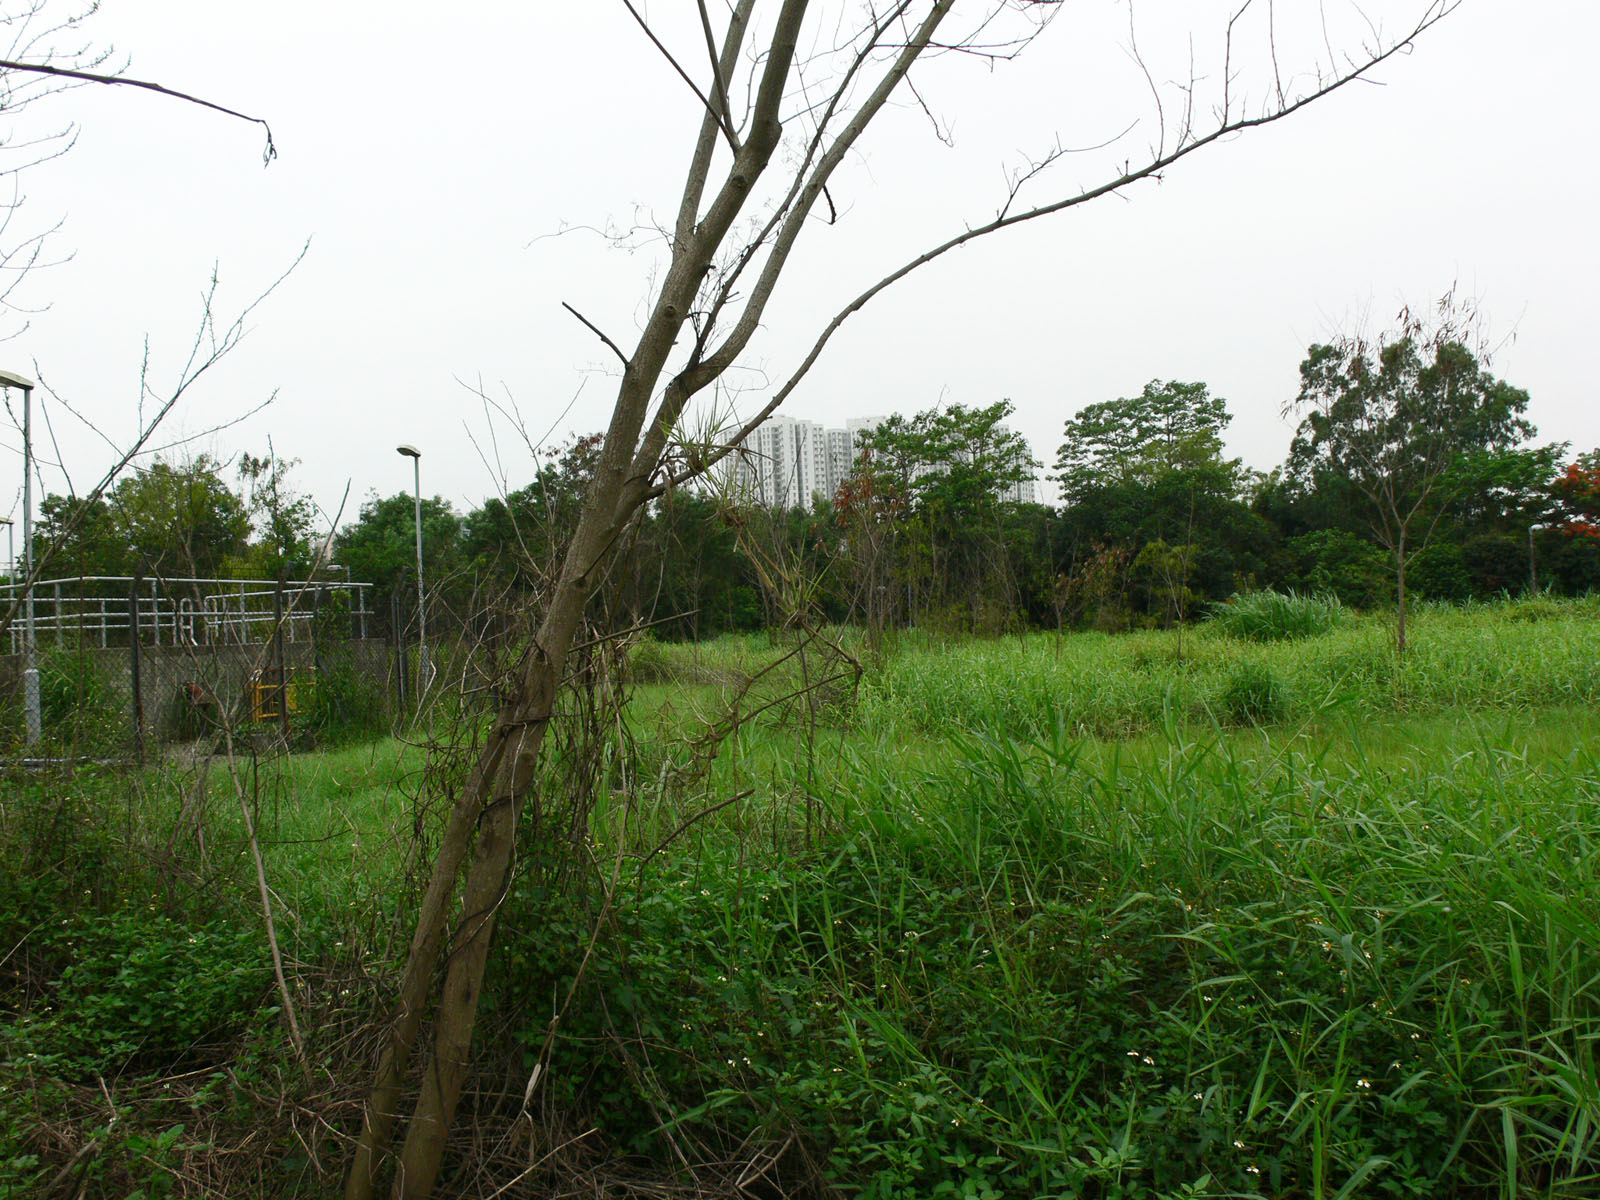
(1577, 491)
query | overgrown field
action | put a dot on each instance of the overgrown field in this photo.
(1240, 915)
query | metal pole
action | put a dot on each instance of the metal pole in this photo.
(399, 658)
(283, 661)
(134, 680)
(11, 570)
(30, 670)
(424, 670)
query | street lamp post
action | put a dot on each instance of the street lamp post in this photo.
(424, 668)
(30, 648)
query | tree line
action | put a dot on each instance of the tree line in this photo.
(1413, 472)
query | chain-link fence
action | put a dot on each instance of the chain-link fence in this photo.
(129, 667)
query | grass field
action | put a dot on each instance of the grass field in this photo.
(1081, 917)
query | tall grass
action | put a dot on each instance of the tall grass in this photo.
(1316, 922)
(1107, 685)
(1022, 969)
(1274, 616)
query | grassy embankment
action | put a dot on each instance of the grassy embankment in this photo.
(1023, 918)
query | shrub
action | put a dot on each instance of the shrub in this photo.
(1439, 572)
(345, 706)
(648, 662)
(142, 985)
(1342, 564)
(1275, 616)
(78, 708)
(1254, 694)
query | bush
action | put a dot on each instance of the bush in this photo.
(1275, 616)
(139, 985)
(78, 708)
(648, 662)
(344, 707)
(1339, 563)
(1439, 572)
(1254, 694)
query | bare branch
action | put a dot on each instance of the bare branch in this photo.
(719, 86)
(595, 329)
(1436, 12)
(267, 155)
(721, 117)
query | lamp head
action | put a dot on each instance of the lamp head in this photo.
(409, 451)
(11, 379)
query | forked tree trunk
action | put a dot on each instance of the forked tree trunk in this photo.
(483, 825)
(484, 820)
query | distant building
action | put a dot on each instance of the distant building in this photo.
(1021, 492)
(788, 463)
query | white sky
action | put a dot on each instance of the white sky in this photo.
(424, 150)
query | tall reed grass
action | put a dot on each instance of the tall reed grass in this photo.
(1116, 685)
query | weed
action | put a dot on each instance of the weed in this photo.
(1268, 616)
(1253, 694)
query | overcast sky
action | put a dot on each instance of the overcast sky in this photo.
(432, 156)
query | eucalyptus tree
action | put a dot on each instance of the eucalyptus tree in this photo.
(772, 127)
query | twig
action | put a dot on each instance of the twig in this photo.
(266, 909)
(595, 329)
(267, 155)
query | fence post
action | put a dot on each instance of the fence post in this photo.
(283, 662)
(316, 630)
(398, 643)
(134, 682)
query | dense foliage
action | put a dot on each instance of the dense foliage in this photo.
(1412, 467)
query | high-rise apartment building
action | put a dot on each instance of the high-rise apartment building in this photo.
(788, 463)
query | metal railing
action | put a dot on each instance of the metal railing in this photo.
(113, 610)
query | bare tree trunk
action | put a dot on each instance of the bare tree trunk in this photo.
(383, 1103)
(1400, 592)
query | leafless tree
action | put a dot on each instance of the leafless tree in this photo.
(44, 49)
(739, 220)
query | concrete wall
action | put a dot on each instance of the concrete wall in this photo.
(167, 674)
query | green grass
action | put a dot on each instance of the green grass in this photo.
(1105, 685)
(1274, 616)
(1330, 963)
(1295, 918)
